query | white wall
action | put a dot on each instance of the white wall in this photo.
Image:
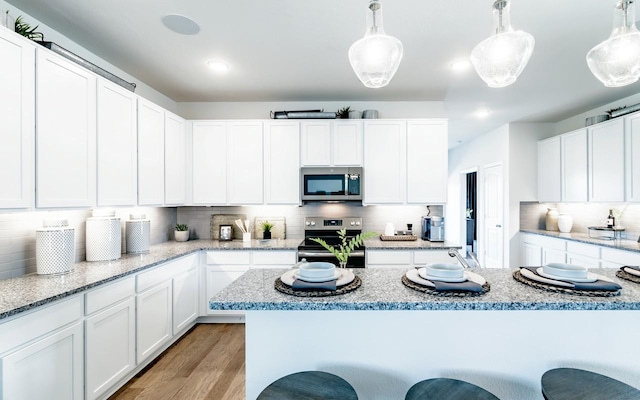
(52, 35)
(261, 110)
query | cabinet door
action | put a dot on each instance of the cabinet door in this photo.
(549, 170)
(153, 322)
(185, 299)
(218, 277)
(553, 256)
(347, 143)
(316, 143)
(175, 160)
(51, 368)
(632, 148)
(17, 102)
(574, 166)
(245, 174)
(209, 140)
(282, 162)
(587, 262)
(384, 162)
(150, 154)
(110, 346)
(117, 146)
(606, 161)
(66, 135)
(427, 162)
(532, 255)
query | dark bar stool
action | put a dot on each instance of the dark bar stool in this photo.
(573, 384)
(309, 385)
(450, 389)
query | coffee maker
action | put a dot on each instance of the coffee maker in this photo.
(433, 229)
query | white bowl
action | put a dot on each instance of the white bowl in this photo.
(317, 270)
(442, 270)
(565, 270)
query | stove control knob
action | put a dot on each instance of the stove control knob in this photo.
(358, 223)
(307, 223)
(353, 223)
(313, 223)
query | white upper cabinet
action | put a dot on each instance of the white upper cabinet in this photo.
(117, 145)
(632, 156)
(245, 173)
(331, 143)
(175, 160)
(209, 162)
(384, 162)
(574, 166)
(66, 134)
(282, 162)
(17, 102)
(606, 161)
(549, 170)
(427, 161)
(150, 153)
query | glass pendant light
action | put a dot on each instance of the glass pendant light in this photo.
(501, 58)
(616, 61)
(375, 58)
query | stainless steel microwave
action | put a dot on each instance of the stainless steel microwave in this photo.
(331, 184)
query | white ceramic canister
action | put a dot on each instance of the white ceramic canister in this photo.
(551, 219)
(55, 247)
(389, 229)
(138, 233)
(104, 236)
(565, 223)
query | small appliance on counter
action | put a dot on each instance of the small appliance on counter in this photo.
(138, 233)
(55, 247)
(433, 229)
(104, 236)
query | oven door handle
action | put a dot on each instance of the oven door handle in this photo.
(317, 254)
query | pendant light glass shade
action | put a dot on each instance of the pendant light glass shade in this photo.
(616, 61)
(375, 58)
(501, 58)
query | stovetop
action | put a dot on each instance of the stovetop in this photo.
(327, 229)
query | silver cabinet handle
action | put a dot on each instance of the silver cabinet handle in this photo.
(498, 226)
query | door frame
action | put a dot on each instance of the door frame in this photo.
(463, 207)
(482, 220)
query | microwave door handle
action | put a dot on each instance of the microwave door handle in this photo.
(346, 184)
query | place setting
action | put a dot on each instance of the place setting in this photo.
(629, 273)
(568, 278)
(317, 279)
(447, 280)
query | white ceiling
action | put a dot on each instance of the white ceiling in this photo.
(296, 50)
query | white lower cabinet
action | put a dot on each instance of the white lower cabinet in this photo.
(218, 277)
(153, 320)
(185, 299)
(532, 254)
(274, 259)
(407, 258)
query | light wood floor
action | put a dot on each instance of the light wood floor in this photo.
(207, 363)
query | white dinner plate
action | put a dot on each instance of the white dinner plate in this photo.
(414, 276)
(423, 274)
(531, 275)
(590, 277)
(346, 277)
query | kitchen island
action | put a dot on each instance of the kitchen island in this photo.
(384, 337)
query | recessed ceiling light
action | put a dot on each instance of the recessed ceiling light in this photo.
(460, 65)
(218, 66)
(482, 113)
(181, 24)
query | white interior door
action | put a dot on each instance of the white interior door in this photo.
(493, 217)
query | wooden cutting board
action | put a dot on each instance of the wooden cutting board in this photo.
(226, 219)
(277, 232)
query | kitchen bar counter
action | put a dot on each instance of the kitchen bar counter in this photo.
(377, 244)
(30, 291)
(384, 337)
(625, 244)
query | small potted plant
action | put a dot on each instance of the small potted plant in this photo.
(181, 233)
(266, 229)
(345, 248)
(343, 113)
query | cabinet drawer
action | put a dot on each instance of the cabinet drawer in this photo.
(27, 327)
(107, 295)
(583, 249)
(228, 257)
(165, 272)
(546, 242)
(421, 257)
(621, 257)
(393, 257)
(284, 258)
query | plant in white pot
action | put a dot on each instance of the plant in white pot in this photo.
(181, 233)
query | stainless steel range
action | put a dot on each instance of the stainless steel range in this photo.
(326, 229)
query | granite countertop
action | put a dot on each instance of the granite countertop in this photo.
(30, 291)
(624, 244)
(377, 244)
(382, 289)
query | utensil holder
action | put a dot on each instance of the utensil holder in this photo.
(246, 236)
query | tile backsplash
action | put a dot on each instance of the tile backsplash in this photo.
(532, 216)
(18, 234)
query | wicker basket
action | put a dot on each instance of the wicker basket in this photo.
(399, 238)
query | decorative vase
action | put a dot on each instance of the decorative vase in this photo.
(181, 236)
(551, 219)
(565, 223)
(266, 235)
